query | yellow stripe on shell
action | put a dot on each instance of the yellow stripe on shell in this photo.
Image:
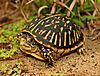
(77, 36)
(40, 31)
(55, 26)
(47, 25)
(63, 19)
(65, 38)
(59, 39)
(70, 27)
(52, 21)
(61, 29)
(47, 34)
(43, 32)
(69, 37)
(65, 24)
(47, 21)
(36, 30)
(55, 42)
(41, 21)
(56, 21)
(52, 37)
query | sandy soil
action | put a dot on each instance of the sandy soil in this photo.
(69, 65)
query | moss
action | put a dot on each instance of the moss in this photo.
(9, 35)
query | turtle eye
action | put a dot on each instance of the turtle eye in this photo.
(19, 34)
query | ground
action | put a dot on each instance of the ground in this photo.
(69, 65)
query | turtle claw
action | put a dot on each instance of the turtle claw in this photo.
(81, 51)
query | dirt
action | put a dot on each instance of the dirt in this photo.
(69, 65)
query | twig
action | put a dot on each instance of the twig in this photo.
(23, 14)
(82, 3)
(66, 1)
(29, 2)
(64, 5)
(71, 7)
(53, 8)
(94, 4)
(40, 9)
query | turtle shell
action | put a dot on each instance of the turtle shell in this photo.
(56, 32)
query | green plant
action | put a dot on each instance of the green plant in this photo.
(9, 36)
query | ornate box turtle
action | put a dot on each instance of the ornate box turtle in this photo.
(49, 37)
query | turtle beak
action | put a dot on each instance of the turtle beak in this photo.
(24, 45)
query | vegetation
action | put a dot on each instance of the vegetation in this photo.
(12, 70)
(78, 10)
(8, 39)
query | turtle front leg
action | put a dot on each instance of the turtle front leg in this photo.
(47, 54)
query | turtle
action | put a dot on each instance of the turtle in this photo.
(50, 37)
